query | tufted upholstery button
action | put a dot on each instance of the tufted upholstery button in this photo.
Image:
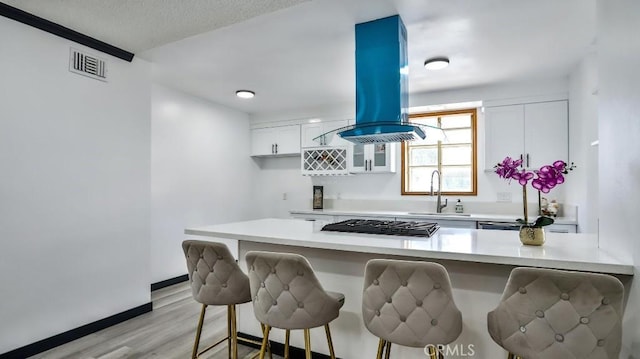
(252, 268)
(584, 320)
(300, 273)
(437, 286)
(434, 321)
(286, 287)
(300, 305)
(201, 255)
(539, 314)
(404, 283)
(273, 270)
(274, 302)
(522, 290)
(559, 338)
(389, 300)
(564, 296)
(605, 301)
(418, 303)
(523, 329)
(220, 257)
(224, 285)
(262, 284)
(377, 312)
(403, 318)
(601, 342)
(376, 282)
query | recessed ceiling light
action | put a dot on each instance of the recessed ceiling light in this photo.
(245, 94)
(436, 63)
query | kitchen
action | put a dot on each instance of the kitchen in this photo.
(140, 225)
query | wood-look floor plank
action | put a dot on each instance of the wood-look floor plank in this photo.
(168, 332)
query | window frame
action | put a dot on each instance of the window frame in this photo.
(474, 154)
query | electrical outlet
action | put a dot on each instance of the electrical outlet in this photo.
(504, 196)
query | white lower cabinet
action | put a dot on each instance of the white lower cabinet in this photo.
(561, 228)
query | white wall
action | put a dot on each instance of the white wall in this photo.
(74, 188)
(281, 175)
(201, 172)
(582, 186)
(619, 131)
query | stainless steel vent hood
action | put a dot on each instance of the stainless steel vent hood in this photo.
(382, 96)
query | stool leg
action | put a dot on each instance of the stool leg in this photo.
(268, 342)
(331, 352)
(434, 353)
(307, 344)
(388, 351)
(194, 354)
(234, 332)
(265, 340)
(287, 333)
(229, 342)
(511, 356)
(381, 345)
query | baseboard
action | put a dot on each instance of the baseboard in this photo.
(73, 334)
(278, 348)
(170, 281)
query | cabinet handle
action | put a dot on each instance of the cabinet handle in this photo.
(521, 157)
(276, 148)
(273, 149)
(365, 165)
(527, 160)
(370, 166)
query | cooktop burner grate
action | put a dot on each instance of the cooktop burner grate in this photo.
(397, 228)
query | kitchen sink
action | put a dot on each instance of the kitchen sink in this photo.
(440, 214)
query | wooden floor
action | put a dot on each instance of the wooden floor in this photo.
(167, 332)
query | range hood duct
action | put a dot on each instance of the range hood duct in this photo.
(382, 96)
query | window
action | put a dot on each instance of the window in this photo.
(453, 154)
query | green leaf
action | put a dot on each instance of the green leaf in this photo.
(543, 221)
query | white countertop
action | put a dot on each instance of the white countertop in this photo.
(569, 251)
(427, 215)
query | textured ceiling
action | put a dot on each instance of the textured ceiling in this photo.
(302, 55)
(138, 25)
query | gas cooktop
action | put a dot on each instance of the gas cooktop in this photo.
(396, 228)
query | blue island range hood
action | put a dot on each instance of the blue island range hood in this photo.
(382, 96)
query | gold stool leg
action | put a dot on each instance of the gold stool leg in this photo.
(381, 345)
(511, 356)
(307, 344)
(388, 351)
(268, 342)
(331, 352)
(265, 341)
(194, 354)
(433, 352)
(229, 342)
(234, 332)
(287, 333)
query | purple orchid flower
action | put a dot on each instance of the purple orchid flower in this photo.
(523, 177)
(508, 168)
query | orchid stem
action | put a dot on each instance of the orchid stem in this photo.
(524, 199)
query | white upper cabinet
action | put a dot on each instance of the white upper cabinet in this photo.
(373, 158)
(276, 141)
(538, 133)
(546, 129)
(313, 130)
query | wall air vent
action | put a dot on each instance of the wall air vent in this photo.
(87, 65)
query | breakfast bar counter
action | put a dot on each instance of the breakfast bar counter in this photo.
(569, 251)
(478, 262)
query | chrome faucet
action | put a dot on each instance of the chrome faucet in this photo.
(439, 205)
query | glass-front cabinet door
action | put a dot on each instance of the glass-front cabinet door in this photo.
(373, 158)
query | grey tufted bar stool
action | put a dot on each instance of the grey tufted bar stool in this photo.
(216, 279)
(409, 303)
(554, 314)
(287, 295)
